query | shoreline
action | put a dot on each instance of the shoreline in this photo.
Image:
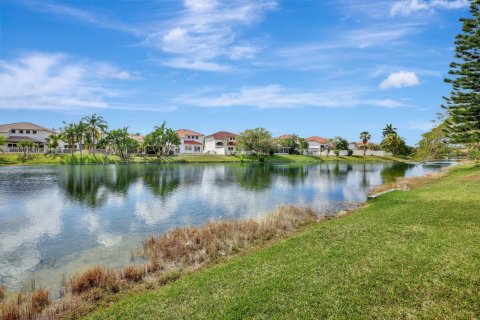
(147, 274)
(36, 159)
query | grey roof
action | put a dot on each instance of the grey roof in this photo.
(22, 138)
(22, 126)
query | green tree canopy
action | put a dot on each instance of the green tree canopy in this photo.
(339, 143)
(463, 104)
(365, 137)
(258, 140)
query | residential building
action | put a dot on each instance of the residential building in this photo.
(281, 149)
(316, 145)
(24, 131)
(221, 142)
(191, 142)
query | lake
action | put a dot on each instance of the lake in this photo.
(57, 220)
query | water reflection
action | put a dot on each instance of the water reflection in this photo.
(57, 219)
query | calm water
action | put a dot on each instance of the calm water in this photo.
(55, 220)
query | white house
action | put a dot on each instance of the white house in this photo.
(191, 142)
(221, 142)
(316, 145)
(21, 131)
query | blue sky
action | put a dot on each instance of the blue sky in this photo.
(321, 67)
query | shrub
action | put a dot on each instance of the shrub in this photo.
(38, 301)
(349, 152)
(133, 274)
(96, 277)
(2, 293)
(337, 152)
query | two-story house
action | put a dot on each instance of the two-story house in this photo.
(221, 142)
(191, 142)
(24, 131)
(316, 145)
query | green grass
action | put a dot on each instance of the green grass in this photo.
(411, 254)
(37, 159)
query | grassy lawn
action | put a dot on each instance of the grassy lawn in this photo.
(411, 254)
(36, 159)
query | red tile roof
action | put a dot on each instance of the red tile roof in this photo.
(193, 142)
(221, 135)
(318, 139)
(182, 133)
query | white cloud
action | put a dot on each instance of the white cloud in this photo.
(276, 96)
(407, 7)
(55, 81)
(205, 34)
(400, 79)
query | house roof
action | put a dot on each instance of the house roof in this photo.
(193, 142)
(137, 137)
(182, 133)
(22, 126)
(221, 135)
(318, 139)
(16, 139)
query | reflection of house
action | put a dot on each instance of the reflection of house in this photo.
(24, 131)
(191, 142)
(221, 142)
(316, 145)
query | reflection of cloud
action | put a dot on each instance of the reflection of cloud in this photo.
(18, 246)
(95, 226)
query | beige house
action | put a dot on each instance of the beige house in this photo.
(24, 131)
(222, 142)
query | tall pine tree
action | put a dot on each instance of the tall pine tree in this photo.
(463, 123)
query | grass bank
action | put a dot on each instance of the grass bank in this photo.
(40, 159)
(410, 254)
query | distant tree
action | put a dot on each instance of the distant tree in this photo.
(329, 145)
(463, 105)
(96, 125)
(392, 143)
(303, 144)
(121, 142)
(69, 136)
(26, 146)
(434, 144)
(3, 141)
(389, 129)
(294, 143)
(339, 143)
(80, 131)
(258, 140)
(162, 140)
(53, 140)
(365, 137)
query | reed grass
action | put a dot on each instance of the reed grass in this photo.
(23, 307)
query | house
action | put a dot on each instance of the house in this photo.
(191, 142)
(221, 142)
(24, 131)
(359, 146)
(281, 149)
(316, 145)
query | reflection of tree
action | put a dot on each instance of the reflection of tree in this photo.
(83, 184)
(162, 180)
(253, 177)
(390, 173)
(294, 174)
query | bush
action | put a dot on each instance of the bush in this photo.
(337, 152)
(133, 274)
(349, 152)
(96, 277)
(473, 154)
(39, 300)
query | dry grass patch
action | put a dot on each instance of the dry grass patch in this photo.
(408, 183)
(22, 307)
(191, 247)
(96, 277)
(133, 273)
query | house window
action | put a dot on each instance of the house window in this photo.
(230, 148)
(20, 131)
(219, 144)
(34, 131)
(188, 148)
(196, 149)
(12, 131)
(28, 131)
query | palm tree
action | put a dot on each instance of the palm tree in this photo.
(69, 136)
(53, 140)
(392, 142)
(389, 129)
(95, 124)
(365, 137)
(80, 130)
(26, 145)
(3, 141)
